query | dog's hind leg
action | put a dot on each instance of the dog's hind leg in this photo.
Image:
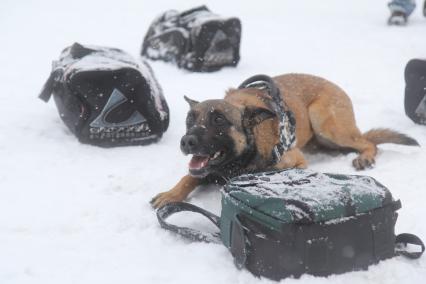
(333, 122)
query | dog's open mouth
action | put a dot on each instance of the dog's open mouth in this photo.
(200, 162)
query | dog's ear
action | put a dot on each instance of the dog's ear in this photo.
(252, 116)
(191, 102)
(230, 91)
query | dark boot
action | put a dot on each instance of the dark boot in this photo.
(397, 18)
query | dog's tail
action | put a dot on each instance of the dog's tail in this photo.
(385, 135)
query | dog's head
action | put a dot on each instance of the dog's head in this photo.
(218, 135)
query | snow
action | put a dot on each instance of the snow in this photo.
(102, 58)
(323, 194)
(72, 213)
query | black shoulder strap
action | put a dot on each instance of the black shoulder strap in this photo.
(401, 242)
(171, 208)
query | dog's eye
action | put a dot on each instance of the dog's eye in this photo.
(190, 119)
(219, 120)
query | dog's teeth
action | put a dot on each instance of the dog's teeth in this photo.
(216, 155)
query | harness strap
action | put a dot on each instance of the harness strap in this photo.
(401, 242)
(194, 235)
(287, 122)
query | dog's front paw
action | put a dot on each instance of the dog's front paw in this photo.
(164, 198)
(362, 163)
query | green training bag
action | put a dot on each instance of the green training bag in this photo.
(291, 222)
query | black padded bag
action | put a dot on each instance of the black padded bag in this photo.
(106, 98)
(196, 40)
(415, 90)
(290, 222)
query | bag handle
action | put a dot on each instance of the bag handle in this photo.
(47, 90)
(193, 10)
(401, 242)
(194, 235)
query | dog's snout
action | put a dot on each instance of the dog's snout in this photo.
(188, 143)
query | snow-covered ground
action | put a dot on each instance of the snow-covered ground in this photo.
(72, 213)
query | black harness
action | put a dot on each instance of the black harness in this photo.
(287, 122)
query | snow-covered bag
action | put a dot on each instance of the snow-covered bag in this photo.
(197, 40)
(287, 223)
(106, 97)
(415, 90)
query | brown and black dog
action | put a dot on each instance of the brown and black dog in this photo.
(218, 140)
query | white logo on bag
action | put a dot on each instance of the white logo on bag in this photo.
(115, 100)
(421, 108)
(217, 55)
(135, 126)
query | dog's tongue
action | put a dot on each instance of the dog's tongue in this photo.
(198, 162)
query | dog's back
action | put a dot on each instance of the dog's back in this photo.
(324, 114)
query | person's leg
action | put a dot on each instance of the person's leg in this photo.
(400, 10)
(404, 6)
